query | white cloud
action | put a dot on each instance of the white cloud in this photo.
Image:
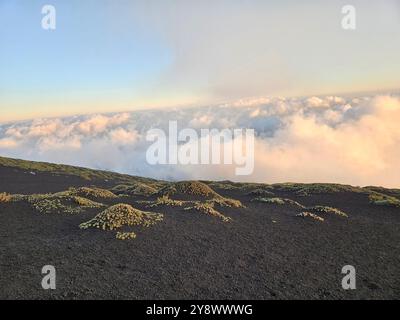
(316, 139)
(7, 143)
(315, 102)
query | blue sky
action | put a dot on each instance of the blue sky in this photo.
(85, 56)
(124, 55)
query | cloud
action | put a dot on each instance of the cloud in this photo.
(7, 143)
(313, 139)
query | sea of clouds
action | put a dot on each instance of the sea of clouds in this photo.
(316, 139)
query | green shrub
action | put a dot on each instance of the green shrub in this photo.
(380, 199)
(304, 189)
(227, 202)
(279, 201)
(166, 201)
(325, 209)
(125, 235)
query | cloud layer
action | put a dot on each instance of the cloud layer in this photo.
(314, 139)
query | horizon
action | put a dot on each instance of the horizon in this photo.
(384, 92)
(207, 180)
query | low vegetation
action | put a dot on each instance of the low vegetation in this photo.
(251, 186)
(308, 211)
(137, 189)
(84, 173)
(61, 202)
(326, 209)
(380, 199)
(227, 202)
(164, 201)
(193, 188)
(83, 202)
(260, 192)
(306, 214)
(93, 192)
(279, 201)
(301, 189)
(208, 208)
(389, 192)
(224, 185)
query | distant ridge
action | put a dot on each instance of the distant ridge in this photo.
(61, 169)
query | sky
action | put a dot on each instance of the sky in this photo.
(111, 56)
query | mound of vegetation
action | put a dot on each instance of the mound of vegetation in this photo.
(279, 201)
(208, 208)
(380, 199)
(380, 190)
(121, 215)
(197, 189)
(193, 188)
(5, 197)
(329, 210)
(302, 189)
(93, 192)
(306, 214)
(227, 202)
(137, 189)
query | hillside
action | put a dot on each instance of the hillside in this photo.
(117, 236)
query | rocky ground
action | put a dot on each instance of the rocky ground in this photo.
(111, 236)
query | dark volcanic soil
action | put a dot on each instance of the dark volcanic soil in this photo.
(264, 253)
